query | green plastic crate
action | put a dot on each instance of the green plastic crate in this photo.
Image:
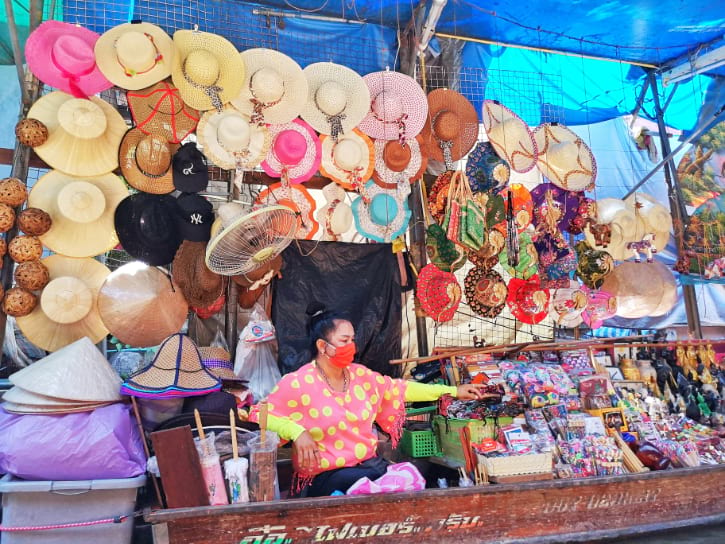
(419, 444)
(446, 431)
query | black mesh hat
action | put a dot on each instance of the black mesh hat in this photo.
(190, 171)
(196, 215)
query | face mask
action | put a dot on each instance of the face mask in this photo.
(343, 355)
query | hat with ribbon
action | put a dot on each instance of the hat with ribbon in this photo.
(439, 293)
(593, 264)
(145, 161)
(135, 55)
(335, 217)
(601, 305)
(274, 89)
(381, 214)
(337, 98)
(196, 215)
(83, 134)
(486, 292)
(207, 69)
(295, 153)
(159, 109)
(398, 107)
(218, 361)
(201, 287)
(189, 169)
(231, 141)
(297, 198)
(554, 207)
(527, 300)
(564, 158)
(454, 126)
(82, 212)
(397, 163)
(510, 136)
(61, 56)
(486, 171)
(567, 305)
(349, 161)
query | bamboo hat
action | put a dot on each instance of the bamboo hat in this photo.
(29, 409)
(68, 304)
(145, 161)
(83, 134)
(564, 158)
(510, 136)
(159, 109)
(82, 211)
(297, 198)
(397, 164)
(349, 161)
(231, 141)
(454, 125)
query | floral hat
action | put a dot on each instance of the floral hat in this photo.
(454, 125)
(564, 158)
(554, 208)
(486, 292)
(523, 206)
(510, 136)
(487, 256)
(397, 163)
(381, 214)
(601, 305)
(159, 109)
(594, 265)
(439, 293)
(567, 305)
(527, 300)
(349, 161)
(486, 171)
(298, 199)
(556, 259)
(438, 196)
(295, 152)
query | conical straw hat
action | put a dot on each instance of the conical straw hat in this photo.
(77, 372)
(18, 395)
(21, 409)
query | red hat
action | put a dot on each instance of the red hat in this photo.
(527, 300)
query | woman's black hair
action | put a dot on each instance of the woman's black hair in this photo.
(320, 323)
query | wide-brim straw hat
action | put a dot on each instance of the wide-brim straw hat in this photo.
(438, 292)
(76, 373)
(640, 288)
(82, 212)
(381, 214)
(141, 305)
(145, 161)
(486, 292)
(349, 161)
(231, 141)
(135, 55)
(274, 90)
(510, 136)
(83, 134)
(159, 109)
(398, 107)
(68, 308)
(454, 124)
(207, 69)
(218, 361)
(564, 158)
(201, 287)
(527, 300)
(335, 217)
(297, 198)
(61, 56)
(397, 164)
(176, 371)
(623, 222)
(567, 305)
(295, 152)
(338, 98)
(601, 305)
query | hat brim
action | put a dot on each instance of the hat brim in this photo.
(18, 395)
(159, 109)
(309, 164)
(440, 100)
(381, 233)
(155, 185)
(72, 155)
(639, 287)
(69, 237)
(298, 199)
(433, 291)
(517, 145)
(46, 333)
(579, 175)
(206, 133)
(27, 409)
(347, 179)
(387, 178)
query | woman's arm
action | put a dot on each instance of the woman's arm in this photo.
(421, 392)
(284, 427)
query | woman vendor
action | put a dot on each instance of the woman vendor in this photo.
(328, 408)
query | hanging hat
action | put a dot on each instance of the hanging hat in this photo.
(207, 69)
(201, 287)
(218, 361)
(176, 371)
(274, 89)
(147, 227)
(639, 288)
(196, 215)
(61, 56)
(349, 161)
(528, 264)
(337, 98)
(83, 135)
(554, 207)
(601, 305)
(510, 136)
(486, 171)
(438, 196)
(335, 217)
(397, 164)
(441, 251)
(231, 141)
(295, 150)
(487, 256)
(652, 219)
(564, 158)
(297, 198)
(145, 161)
(486, 292)
(189, 169)
(380, 214)
(82, 211)
(454, 126)
(78, 372)
(141, 305)
(439, 293)
(528, 302)
(593, 266)
(159, 109)
(398, 107)
(567, 305)
(523, 206)
(557, 260)
(67, 309)
(135, 55)
(623, 224)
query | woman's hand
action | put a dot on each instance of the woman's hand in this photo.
(470, 391)
(307, 452)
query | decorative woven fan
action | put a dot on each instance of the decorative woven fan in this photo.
(249, 240)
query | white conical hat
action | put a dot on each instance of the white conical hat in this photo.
(77, 372)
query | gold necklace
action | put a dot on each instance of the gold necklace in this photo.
(327, 380)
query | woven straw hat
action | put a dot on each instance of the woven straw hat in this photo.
(439, 293)
(567, 305)
(13, 192)
(231, 141)
(176, 371)
(510, 136)
(454, 125)
(31, 132)
(207, 69)
(218, 361)
(145, 161)
(67, 309)
(564, 158)
(159, 109)
(349, 161)
(397, 164)
(295, 151)
(34, 221)
(640, 288)
(201, 287)
(25, 248)
(337, 98)
(135, 55)
(335, 217)
(274, 89)
(82, 212)
(398, 107)
(528, 302)
(297, 198)
(61, 56)
(19, 395)
(381, 214)
(486, 292)
(32, 275)
(30, 409)
(83, 135)
(19, 302)
(7, 217)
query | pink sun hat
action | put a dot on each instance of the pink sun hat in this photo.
(61, 55)
(296, 149)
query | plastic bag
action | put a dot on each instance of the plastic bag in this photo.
(398, 478)
(101, 444)
(255, 360)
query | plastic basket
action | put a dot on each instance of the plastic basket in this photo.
(513, 465)
(446, 429)
(419, 444)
